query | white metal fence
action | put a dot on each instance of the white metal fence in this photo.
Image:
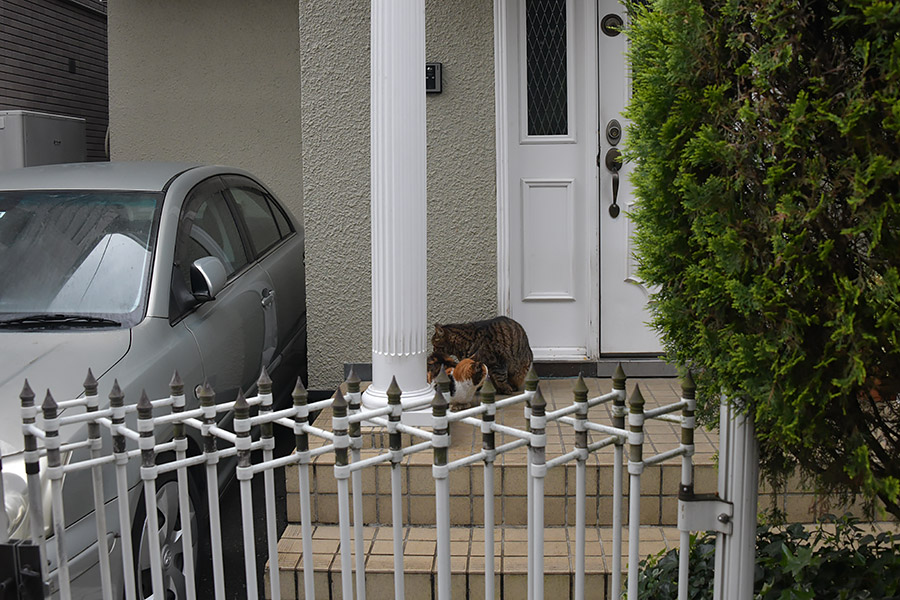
(141, 440)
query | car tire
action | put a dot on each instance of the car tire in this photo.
(170, 535)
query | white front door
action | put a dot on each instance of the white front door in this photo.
(565, 271)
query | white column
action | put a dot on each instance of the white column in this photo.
(398, 202)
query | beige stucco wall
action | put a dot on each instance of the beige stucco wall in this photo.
(213, 81)
(461, 174)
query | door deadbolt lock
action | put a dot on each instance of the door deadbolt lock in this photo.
(613, 132)
(611, 25)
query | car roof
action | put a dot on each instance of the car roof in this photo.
(139, 176)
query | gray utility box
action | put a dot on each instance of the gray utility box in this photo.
(28, 139)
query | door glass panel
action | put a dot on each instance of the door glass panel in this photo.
(207, 228)
(545, 42)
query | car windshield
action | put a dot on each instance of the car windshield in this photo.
(75, 258)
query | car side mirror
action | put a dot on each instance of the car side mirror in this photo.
(208, 277)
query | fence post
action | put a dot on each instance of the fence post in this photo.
(244, 472)
(208, 404)
(441, 445)
(635, 468)
(354, 401)
(146, 444)
(688, 422)
(32, 474)
(267, 436)
(531, 385)
(176, 391)
(340, 427)
(618, 420)
(55, 474)
(301, 439)
(92, 405)
(739, 484)
(117, 403)
(580, 391)
(396, 444)
(489, 444)
(537, 449)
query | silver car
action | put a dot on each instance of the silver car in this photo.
(134, 270)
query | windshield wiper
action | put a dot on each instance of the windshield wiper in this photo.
(58, 320)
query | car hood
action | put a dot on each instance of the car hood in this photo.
(55, 361)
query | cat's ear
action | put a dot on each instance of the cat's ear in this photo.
(438, 330)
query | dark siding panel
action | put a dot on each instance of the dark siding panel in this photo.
(39, 39)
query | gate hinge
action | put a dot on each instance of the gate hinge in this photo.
(703, 512)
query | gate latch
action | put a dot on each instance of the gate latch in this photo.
(20, 574)
(703, 512)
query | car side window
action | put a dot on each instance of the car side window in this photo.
(207, 228)
(260, 216)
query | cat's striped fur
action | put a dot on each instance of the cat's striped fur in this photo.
(500, 343)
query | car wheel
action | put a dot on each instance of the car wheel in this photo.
(171, 541)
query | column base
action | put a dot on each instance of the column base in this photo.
(409, 370)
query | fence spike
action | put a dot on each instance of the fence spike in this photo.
(531, 379)
(688, 387)
(636, 402)
(116, 397)
(176, 385)
(49, 406)
(241, 408)
(339, 406)
(619, 378)
(26, 395)
(538, 403)
(206, 395)
(144, 408)
(394, 392)
(353, 381)
(488, 390)
(580, 387)
(90, 384)
(264, 383)
(442, 381)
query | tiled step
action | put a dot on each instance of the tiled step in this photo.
(467, 561)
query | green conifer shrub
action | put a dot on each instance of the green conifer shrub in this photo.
(766, 139)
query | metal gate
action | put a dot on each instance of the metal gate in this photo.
(142, 432)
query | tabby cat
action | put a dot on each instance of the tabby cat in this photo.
(500, 343)
(466, 378)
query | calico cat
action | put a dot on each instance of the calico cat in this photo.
(466, 378)
(499, 343)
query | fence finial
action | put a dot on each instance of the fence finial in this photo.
(116, 397)
(206, 395)
(353, 381)
(439, 404)
(580, 388)
(688, 387)
(394, 392)
(488, 390)
(339, 406)
(619, 378)
(636, 402)
(176, 385)
(144, 408)
(241, 408)
(49, 406)
(264, 383)
(90, 384)
(538, 404)
(531, 379)
(442, 382)
(26, 395)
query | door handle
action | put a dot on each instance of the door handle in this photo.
(267, 297)
(614, 163)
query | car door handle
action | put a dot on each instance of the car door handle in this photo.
(267, 297)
